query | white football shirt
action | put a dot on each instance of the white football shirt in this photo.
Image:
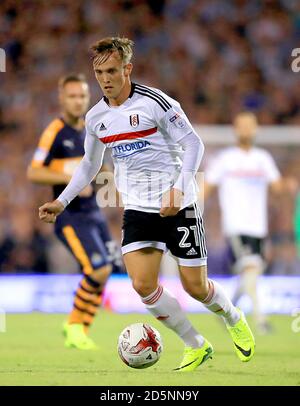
(242, 178)
(154, 148)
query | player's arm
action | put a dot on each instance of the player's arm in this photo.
(45, 176)
(85, 172)
(284, 185)
(213, 174)
(208, 190)
(183, 133)
(39, 170)
(277, 183)
(193, 152)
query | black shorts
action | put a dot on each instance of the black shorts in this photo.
(182, 234)
(245, 251)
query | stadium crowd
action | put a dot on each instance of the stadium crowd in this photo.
(216, 57)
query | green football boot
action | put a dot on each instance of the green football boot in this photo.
(243, 338)
(193, 357)
(76, 337)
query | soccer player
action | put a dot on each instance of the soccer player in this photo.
(82, 227)
(243, 175)
(156, 154)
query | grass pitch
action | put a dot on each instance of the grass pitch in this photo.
(32, 353)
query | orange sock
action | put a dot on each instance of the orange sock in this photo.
(92, 310)
(84, 297)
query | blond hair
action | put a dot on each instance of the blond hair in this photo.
(102, 49)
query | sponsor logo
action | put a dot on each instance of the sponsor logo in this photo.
(96, 258)
(246, 353)
(192, 251)
(124, 150)
(68, 143)
(186, 365)
(40, 154)
(134, 120)
(174, 117)
(102, 127)
(178, 121)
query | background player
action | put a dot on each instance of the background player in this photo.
(82, 227)
(243, 174)
(156, 154)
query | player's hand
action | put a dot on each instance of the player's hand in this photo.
(171, 203)
(49, 211)
(87, 191)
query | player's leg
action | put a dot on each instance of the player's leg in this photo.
(91, 289)
(187, 243)
(87, 299)
(210, 293)
(249, 279)
(102, 239)
(249, 265)
(142, 247)
(231, 258)
(82, 241)
(238, 291)
(143, 268)
(87, 247)
(113, 249)
(213, 297)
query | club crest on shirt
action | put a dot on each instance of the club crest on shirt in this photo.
(134, 120)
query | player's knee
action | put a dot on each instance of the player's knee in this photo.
(198, 290)
(143, 288)
(100, 275)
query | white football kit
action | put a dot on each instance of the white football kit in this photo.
(243, 178)
(154, 148)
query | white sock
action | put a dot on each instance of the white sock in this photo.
(165, 307)
(250, 281)
(218, 302)
(238, 293)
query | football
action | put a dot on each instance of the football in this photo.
(140, 345)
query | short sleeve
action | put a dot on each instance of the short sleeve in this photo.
(214, 172)
(271, 169)
(44, 149)
(170, 117)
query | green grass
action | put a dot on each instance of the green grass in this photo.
(32, 353)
